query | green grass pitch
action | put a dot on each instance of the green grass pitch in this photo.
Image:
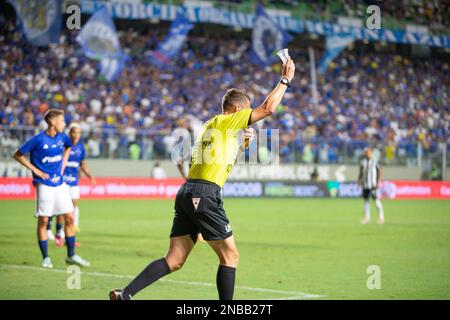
(290, 249)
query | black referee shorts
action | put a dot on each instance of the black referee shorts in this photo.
(370, 193)
(199, 209)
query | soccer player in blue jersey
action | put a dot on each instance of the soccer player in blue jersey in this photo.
(49, 151)
(75, 163)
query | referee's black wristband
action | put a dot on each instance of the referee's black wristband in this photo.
(285, 81)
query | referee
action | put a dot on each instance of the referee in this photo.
(369, 180)
(198, 204)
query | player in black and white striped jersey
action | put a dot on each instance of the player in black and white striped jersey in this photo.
(369, 179)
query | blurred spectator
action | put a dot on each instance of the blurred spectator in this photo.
(135, 151)
(389, 151)
(315, 175)
(158, 172)
(93, 146)
(308, 155)
(112, 143)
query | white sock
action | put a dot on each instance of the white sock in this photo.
(379, 208)
(367, 209)
(76, 216)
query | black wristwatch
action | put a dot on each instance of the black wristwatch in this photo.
(285, 81)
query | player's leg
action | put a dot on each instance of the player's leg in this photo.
(209, 215)
(42, 231)
(365, 195)
(64, 206)
(179, 249)
(60, 235)
(50, 235)
(75, 195)
(183, 236)
(45, 197)
(228, 255)
(59, 226)
(76, 216)
(43, 241)
(69, 229)
(379, 206)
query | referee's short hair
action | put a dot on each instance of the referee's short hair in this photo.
(234, 97)
(51, 114)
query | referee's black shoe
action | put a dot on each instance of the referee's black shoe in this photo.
(118, 294)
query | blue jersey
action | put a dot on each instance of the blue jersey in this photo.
(46, 154)
(77, 154)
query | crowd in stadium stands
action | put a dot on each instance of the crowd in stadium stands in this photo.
(391, 102)
(431, 13)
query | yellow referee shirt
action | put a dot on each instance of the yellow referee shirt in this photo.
(217, 146)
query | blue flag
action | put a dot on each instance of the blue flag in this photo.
(173, 42)
(334, 45)
(99, 40)
(40, 20)
(98, 37)
(267, 38)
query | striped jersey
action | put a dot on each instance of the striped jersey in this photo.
(369, 170)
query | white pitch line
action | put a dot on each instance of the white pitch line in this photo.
(292, 295)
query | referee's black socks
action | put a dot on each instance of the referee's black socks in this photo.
(159, 268)
(155, 270)
(225, 282)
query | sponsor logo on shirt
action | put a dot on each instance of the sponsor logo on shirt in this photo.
(56, 158)
(72, 164)
(45, 146)
(75, 152)
(55, 179)
(70, 179)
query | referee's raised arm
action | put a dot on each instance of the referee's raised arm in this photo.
(275, 96)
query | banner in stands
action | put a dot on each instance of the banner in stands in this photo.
(147, 188)
(210, 14)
